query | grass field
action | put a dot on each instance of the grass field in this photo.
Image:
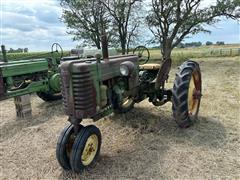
(31, 55)
(143, 144)
(179, 54)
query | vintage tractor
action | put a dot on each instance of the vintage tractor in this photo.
(31, 75)
(96, 87)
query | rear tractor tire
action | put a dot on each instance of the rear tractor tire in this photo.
(187, 92)
(49, 97)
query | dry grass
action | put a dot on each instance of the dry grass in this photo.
(143, 144)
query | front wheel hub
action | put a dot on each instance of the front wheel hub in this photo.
(90, 150)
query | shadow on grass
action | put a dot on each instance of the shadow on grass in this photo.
(205, 132)
(43, 113)
(157, 132)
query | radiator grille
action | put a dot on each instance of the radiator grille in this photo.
(79, 97)
(65, 87)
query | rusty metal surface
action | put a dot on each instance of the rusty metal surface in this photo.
(80, 83)
(112, 68)
(79, 94)
(84, 94)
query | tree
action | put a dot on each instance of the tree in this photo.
(193, 44)
(181, 45)
(172, 21)
(209, 43)
(25, 50)
(220, 43)
(124, 20)
(86, 19)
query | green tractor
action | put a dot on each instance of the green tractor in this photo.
(31, 75)
(94, 88)
(34, 75)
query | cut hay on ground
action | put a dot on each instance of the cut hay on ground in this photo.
(143, 144)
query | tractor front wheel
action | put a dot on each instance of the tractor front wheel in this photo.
(187, 92)
(64, 147)
(86, 148)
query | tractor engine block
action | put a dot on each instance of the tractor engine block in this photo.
(87, 84)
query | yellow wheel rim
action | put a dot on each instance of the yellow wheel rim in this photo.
(194, 94)
(90, 150)
(127, 102)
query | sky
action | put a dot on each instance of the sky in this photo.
(36, 24)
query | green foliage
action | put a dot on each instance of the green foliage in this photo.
(220, 43)
(125, 18)
(172, 21)
(86, 20)
(208, 43)
(193, 44)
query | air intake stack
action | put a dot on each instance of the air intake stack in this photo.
(104, 42)
(4, 53)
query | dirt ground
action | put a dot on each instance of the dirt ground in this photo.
(143, 144)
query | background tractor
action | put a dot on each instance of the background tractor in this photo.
(96, 87)
(31, 75)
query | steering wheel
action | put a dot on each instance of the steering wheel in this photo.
(57, 46)
(143, 53)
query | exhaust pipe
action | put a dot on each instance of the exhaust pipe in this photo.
(4, 53)
(104, 42)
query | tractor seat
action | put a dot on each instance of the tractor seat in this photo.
(149, 67)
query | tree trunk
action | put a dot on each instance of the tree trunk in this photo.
(123, 46)
(167, 51)
(128, 45)
(163, 72)
(98, 42)
(167, 54)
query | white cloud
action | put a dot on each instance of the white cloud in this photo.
(35, 24)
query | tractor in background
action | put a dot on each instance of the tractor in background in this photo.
(97, 87)
(31, 75)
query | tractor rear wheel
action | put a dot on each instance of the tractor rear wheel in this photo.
(49, 97)
(186, 93)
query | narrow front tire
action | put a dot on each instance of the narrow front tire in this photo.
(86, 148)
(64, 147)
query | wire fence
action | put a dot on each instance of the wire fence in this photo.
(225, 52)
